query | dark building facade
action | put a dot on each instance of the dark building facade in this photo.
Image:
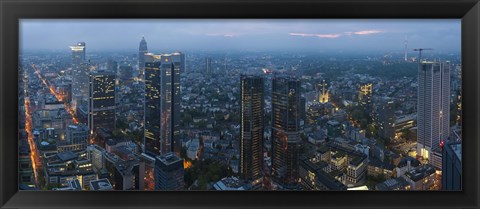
(452, 167)
(101, 112)
(162, 104)
(169, 172)
(285, 130)
(386, 119)
(252, 127)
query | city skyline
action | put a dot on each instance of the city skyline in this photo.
(246, 121)
(264, 35)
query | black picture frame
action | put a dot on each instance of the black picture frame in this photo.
(13, 10)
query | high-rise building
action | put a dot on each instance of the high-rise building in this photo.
(386, 119)
(252, 127)
(101, 112)
(79, 73)
(142, 50)
(208, 65)
(169, 172)
(162, 104)
(452, 167)
(433, 109)
(78, 53)
(285, 130)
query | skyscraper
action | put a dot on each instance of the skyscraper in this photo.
(208, 65)
(102, 100)
(79, 73)
(162, 104)
(365, 97)
(285, 130)
(78, 53)
(433, 105)
(251, 126)
(169, 172)
(142, 49)
(386, 119)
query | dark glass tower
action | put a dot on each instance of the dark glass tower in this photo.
(102, 100)
(162, 104)
(251, 126)
(386, 119)
(285, 130)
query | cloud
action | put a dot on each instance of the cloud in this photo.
(334, 35)
(228, 35)
(367, 32)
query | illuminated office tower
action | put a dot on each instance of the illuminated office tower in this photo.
(285, 130)
(102, 101)
(251, 126)
(433, 110)
(162, 104)
(142, 50)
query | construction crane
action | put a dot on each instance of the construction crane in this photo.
(420, 52)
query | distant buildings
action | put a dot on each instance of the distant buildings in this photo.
(285, 130)
(251, 127)
(169, 172)
(433, 110)
(102, 101)
(452, 167)
(162, 103)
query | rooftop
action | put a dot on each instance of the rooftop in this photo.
(169, 158)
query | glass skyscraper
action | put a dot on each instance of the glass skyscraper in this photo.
(433, 110)
(252, 127)
(102, 101)
(162, 103)
(285, 130)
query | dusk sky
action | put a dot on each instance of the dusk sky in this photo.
(320, 35)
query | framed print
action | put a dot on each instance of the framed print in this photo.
(239, 104)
